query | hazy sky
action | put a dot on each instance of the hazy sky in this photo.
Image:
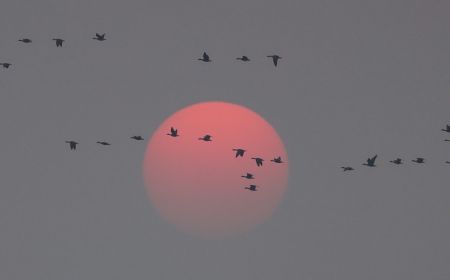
(357, 77)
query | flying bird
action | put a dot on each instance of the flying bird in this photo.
(205, 57)
(5, 65)
(173, 132)
(447, 140)
(448, 162)
(239, 152)
(103, 143)
(371, 161)
(72, 145)
(206, 138)
(251, 188)
(59, 42)
(275, 59)
(99, 37)
(419, 160)
(138, 138)
(259, 161)
(25, 40)
(347, 168)
(396, 161)
(446, 129)
(248, 176)
(277, 160)
(243, 58)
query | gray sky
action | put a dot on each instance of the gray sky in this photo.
(357, 77)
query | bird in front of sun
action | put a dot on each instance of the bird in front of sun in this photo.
(72, 144)
(99, 37)
(259, 161)
(239, 152)
(419, 160)
(5, 65)
(275, 59)
(371, 161)
(277, 160)
(103, 143)
(252, 188)
(347, 168)
(59, 42)
(137, 137)
(173, 132)
(205, 57)
(206, 138)
(248, 176)
(243, 58)
(397, 161)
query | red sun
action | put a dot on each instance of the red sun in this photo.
(197, 185)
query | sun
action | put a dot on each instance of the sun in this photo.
(201, 186)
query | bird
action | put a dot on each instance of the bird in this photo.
(447, 140)
(448, 162)
(99, 37)
(206, 138)
(173, 132)
(446, 129)
(103, 143)
(419, 160)
(205, 57)
(25, 40)
(396, 161)
(371, 161)
(138, 138)
(5, 65)
(243, 58)
(251, 188)
(239, 152)
(59, 42)
(347, 168)
(248, 176)
(275, 59)
(72, 145)
(259, 161)
(277, 160)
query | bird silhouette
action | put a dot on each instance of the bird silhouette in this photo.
(396, 161)
(275, 59)
(239, 152)
(72, 145)
(59, 42)
(447, 140)
(259, 161)
(206, 138)
(419, 160)
(25, 40)
(173, 132)
(448, 162)
(248, 176)
(347, 168)
(371, 161)
(5, 65)
(243, 58)
(446, 129)
(99, 37)
(205, 57)
(138, 138)
(103, 143)
(251, 188)
(277, 160)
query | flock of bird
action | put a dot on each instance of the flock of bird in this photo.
(239, 152)
(101, 37)
(370, 162)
